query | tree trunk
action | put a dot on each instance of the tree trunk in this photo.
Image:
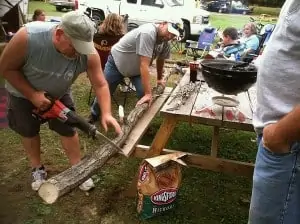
(67, 180)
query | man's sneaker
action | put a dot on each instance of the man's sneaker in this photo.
(87, 185)
(92, 119)
(39, 176)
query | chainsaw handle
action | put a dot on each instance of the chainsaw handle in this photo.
(49, 97)
(41, 113)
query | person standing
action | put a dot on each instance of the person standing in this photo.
(48, 57)
(132, 56)
(109, 33)
(276, 180)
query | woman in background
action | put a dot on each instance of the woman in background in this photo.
(250, 38)
(110, 32)
(39, 15)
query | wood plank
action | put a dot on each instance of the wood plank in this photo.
(185, 109)
(215, 142)
(206, 162)
(143, 123)
(162, 136)
(204, 110)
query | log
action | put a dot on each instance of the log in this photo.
(69, 179)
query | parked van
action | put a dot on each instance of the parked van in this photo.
(193, 20)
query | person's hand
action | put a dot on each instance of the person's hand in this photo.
(40, 101)
(108, 119)
(147, 98)
(161, 82)
(274, 142)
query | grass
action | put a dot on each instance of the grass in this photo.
(224, 20)
(49, 9)
(205, 197)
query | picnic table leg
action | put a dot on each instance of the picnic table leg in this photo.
(162, 136)
(158, 144)
(215, 142)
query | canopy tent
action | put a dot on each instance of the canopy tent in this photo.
(12, 17)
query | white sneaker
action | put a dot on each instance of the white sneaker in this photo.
(87, 185)
(39, 176)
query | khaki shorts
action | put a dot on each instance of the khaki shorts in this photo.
(21, 120)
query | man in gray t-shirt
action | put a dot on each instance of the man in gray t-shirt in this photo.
(276, 179)
(48, 57)
(133, 54)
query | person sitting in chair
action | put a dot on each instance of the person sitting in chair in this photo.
(250, 38)
(230, 45)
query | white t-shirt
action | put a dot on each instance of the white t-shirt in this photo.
(278, 77)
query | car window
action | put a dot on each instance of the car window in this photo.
(132, 1)
(175, 2)
(156, 3)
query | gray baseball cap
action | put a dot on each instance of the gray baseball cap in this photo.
(80, 29)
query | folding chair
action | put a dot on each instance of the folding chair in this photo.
(204, 43)
(177, 46)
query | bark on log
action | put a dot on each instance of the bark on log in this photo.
(69, 179)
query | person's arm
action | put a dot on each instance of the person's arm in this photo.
(101, 89)
(11, 63)
(144, 48)
(160, 68)
(145, 74)
(279, 136)
(160, 61)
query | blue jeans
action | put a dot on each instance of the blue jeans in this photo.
(114, 78)
(276, 187)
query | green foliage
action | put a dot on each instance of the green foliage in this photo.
(268, 3)
(266, 10)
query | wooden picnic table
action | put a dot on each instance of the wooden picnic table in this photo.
(200, 109)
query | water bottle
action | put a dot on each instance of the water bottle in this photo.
(238, 57)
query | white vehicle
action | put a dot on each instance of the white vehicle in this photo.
(193, 20)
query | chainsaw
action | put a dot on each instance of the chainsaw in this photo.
(57, 110)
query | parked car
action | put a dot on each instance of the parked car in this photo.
(192, 20)
(240, 8)
(63, 4)
(223, 6)
(218, 6)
